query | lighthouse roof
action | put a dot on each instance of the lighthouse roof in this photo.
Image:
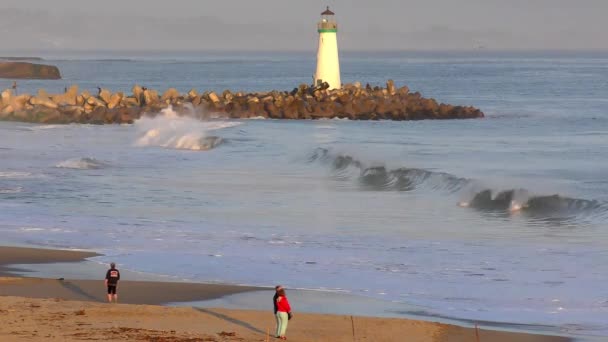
(328, 12)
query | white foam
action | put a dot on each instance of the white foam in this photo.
(32, 229)
(81, 164)
(39, 128)
(14, 174)
(11, 190)
(515, 206)
(44, 127)
(170, 130)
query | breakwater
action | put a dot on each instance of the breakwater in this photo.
(352, 101)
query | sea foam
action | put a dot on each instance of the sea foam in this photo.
(170, 130)
(81, 164)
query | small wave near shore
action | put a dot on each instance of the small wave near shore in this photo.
(173, 131)
(81, 164)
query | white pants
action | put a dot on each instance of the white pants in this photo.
(282, 320)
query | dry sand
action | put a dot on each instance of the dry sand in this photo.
(33, 309)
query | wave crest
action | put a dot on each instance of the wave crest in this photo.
(380, 178)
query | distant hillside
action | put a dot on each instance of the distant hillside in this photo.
(21, 58)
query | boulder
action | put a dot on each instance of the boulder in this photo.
(19, 102)
(6, 96)
(403, 91)
(390, 87)
(271, 110)
(43, 101)
(97, 116)
(95, 102)
(48, 116)
(80, 100)
(138, 92)
(192, 94)
(115, 100)
(105, 95)
(69, 98)
(24, 70)
(72, 111)
(129, 102)
(127, 115)
(170, 95)
(151, 97)
(213, 97)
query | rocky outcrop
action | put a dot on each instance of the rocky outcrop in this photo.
(24, 70)
(304, 102)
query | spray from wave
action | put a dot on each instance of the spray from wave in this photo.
(81, 164)
(170, 130)
(472, 194)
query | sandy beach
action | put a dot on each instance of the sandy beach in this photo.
(37, 309)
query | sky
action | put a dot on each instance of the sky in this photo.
(286, 25)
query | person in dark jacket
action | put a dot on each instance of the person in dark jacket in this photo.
(112, 278)
(276, 295)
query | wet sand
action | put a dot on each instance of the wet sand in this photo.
(36, 309)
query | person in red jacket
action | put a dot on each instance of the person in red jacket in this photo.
(283, 313)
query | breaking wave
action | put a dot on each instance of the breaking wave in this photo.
(169, 130)
(380, 178)
(516, 200)
(81, 164)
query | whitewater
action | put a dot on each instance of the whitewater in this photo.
(502, 219)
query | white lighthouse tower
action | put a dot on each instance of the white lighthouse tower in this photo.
(328, 64)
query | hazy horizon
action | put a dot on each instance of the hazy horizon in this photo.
(273, 25)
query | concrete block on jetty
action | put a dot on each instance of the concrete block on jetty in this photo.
(352, 101)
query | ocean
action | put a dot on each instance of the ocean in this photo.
(501, 219)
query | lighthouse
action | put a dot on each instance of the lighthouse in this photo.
(328, 64)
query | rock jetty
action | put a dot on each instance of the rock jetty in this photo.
(352, 101)
(25, 70)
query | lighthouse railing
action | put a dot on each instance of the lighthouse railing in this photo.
(327, 25)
